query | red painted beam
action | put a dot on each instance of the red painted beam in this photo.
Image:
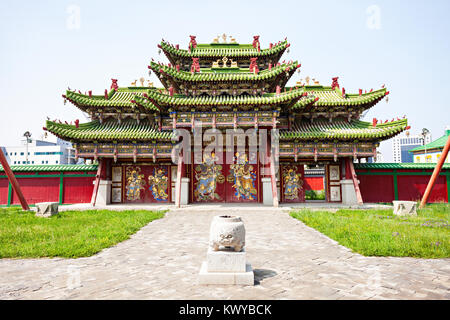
(273, 179)
(435, 174)
(12, 179)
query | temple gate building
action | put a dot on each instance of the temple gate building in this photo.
(228, 87)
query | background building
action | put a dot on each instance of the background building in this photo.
(46, 150)
(431, 152)
(402, 144)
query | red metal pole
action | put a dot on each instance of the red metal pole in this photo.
(435, 175)
(13, 181)
(97, 183)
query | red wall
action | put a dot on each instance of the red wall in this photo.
(413, 188)
(78, 190)
(38, 190)
(3, 191)
(46, 189)
(380, 188)
(314, 183)
(376, 188)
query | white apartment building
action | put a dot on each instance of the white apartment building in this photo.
(47, 150)
(402, 143)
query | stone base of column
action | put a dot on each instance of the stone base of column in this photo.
(348, 192)
(104, 192)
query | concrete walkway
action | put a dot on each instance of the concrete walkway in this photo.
(162, 261)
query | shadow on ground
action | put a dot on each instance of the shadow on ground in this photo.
(261, 274)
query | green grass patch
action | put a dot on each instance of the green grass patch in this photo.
(377, 232)
(314, 194)
(70, 234)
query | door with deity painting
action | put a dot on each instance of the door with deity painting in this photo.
(292, 179)
(146, 184)
(215, 180)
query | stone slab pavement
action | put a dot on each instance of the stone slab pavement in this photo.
(163, 259)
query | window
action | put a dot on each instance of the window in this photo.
(42, 161)
(14, 162)
(56, 161)
(22, 153)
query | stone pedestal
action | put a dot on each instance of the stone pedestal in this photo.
(226, 258)
(46, 209)
(348, 192)
(104, 192)
(225, 261)
(240, 278)
(405, 208)
(267, 191)
(184, 191)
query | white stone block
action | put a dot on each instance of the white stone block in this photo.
(225, 261)
(236, 278)
(405, 208)
(46, 209)
(348, 192)
(104, 192)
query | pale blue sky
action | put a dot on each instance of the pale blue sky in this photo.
(40, 56)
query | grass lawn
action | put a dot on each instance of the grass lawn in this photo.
(377, 232)
(70, 234)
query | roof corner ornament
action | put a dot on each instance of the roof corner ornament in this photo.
(192, 43)
(77, 123)
(253, 65)
(374, 122)
(114, 84)
(335, 83)
(256, 44)
(195, 67)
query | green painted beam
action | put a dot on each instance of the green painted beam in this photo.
(9, 194)
(61, 188)
(395, 185)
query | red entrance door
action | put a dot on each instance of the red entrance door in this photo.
(146, 184)
(292, 179)
(236, 182)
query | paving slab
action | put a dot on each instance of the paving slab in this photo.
(163, 260)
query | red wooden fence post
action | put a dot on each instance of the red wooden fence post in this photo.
(435, 175)
(13, 181)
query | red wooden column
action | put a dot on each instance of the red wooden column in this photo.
(13, 181)
(355, 180)
(178, 182)
(435, 175)
(97, 182)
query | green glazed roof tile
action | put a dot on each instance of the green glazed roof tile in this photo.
(436, 144)
(108, 131)
(48, 168)
(343, 130)
(417, 166)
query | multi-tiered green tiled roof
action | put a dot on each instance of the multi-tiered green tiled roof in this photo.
(250, 80)
(341, 129)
